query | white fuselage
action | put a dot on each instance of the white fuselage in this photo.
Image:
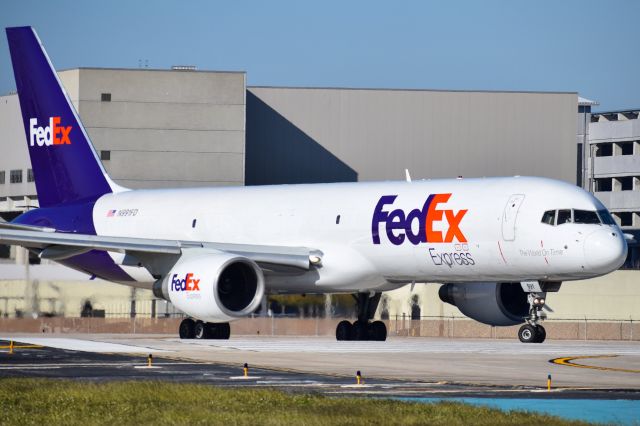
(487, 229)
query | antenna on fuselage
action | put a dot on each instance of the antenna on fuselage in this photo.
(407, 175)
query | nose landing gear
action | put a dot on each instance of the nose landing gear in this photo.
(533, 331)
(363, 329)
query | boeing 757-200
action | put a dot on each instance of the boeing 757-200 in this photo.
(497, 245)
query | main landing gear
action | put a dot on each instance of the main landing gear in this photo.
(190, 329)
(532, 331)
(363, 329)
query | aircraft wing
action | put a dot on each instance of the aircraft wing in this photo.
(59, 246)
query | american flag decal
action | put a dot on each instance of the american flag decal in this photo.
(111, 213)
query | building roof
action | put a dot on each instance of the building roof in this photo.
(586, 102)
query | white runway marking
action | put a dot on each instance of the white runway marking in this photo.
(81, 345)
(30, 367)
(92, 365)
(320, 345)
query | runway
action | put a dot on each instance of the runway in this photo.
(397, 367)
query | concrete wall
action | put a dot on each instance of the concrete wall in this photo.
(610, 136)
(322, 135)
(164, 128)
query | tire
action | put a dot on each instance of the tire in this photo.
(378, 331)
(527, 334)
(186, 329)
(224, 331)
(360, 331)
(200, 331)
(218, 331)
(541, 334)
(343, 330)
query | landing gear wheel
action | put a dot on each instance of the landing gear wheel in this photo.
(363, 329)
(343, 330)
(220, 331)
(541, 334)
(224, 331)
(186, 329)
(378, 331)
(200, 330)
(527, 334)
(360, 331)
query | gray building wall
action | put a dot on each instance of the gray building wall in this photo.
(161, 128)
(614, 171)
(323, 135)
(614, 139)
(164, 128)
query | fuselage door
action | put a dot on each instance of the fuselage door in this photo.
(510, 215)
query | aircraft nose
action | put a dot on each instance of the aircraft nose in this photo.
(605, 250)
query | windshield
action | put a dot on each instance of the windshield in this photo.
(606, 218)
(587, 217)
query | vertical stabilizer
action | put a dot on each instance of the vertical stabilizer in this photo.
(65, 166)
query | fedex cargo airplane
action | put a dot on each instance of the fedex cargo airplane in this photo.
(497, 245)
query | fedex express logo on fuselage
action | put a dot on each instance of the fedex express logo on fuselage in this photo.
(53, 134)
(188, 283)
(398, 224)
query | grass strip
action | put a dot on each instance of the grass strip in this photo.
(67, 402)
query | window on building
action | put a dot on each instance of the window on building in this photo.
(30, 177)
(604, 150)
(2, 177)
(603, 185)
(105, 155)
(625, 218)
(626, 183)
(15, 176)
(105, 97)
(626, 148)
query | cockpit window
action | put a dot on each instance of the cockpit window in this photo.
(564, 216)
(586, 216)
(606, 217)
(549, 217)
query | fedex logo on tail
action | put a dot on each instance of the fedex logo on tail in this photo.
(188, 283)
(435, 225)
(53, 134)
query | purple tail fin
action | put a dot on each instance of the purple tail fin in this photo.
(65, 165)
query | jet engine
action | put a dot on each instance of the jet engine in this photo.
(489, 303)
(213, 286)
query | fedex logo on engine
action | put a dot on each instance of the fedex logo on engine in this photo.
(53, 134)
(188, 283)
(435, 225)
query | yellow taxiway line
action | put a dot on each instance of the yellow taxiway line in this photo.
(569, 362)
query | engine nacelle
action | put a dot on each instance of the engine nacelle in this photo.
(489, 303)
(213, 286)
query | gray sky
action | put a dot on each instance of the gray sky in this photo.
(590, 47)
